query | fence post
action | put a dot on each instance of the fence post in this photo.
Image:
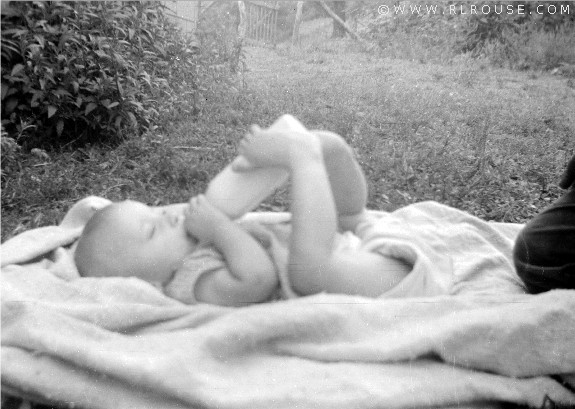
(260, 21)
(339, 21)
(243, 22)
(275, 24)
(295, 39)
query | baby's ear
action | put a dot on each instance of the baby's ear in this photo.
(83, 210)
(241, 164)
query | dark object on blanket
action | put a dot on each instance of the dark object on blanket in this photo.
(568, 178)
(544, 252)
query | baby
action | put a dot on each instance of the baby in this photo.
(328, 193)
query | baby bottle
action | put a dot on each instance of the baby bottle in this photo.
(236, 193)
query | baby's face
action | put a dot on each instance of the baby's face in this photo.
(153, 241)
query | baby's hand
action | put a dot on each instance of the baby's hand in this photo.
(203, 219)
(267, 148)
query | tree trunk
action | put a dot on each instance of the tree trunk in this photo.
(339, 21)
(338, 7)
(243, 20)
(295, 39)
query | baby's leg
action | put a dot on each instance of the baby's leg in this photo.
(317, 165)
(346, 178)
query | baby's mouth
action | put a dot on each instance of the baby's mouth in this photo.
(192, 239)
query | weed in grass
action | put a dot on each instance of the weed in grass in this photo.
(466, 70)
(438, 76)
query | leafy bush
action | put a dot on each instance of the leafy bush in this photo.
(520, 35)
(10, 151)
(532, 48)
(503, 28)
(410, 35)
(481, 29)
(78, 72)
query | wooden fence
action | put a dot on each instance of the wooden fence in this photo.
(186, 13)
(261, 21)
(259, 17)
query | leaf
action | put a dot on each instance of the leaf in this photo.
(36, 95)
(5, 88)
(61, 92)
(113, 104)
(60, 127)
(120, 60)
(40, 39)
(51, 110)
(16, 69)
(161, 50)
(9, 11)
(17, 32)
(40, 153)
(133, 119)
(102, 55)
(90, 107)
(11, 105)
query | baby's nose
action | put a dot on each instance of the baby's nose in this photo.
(170, 217)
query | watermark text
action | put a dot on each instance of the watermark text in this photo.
(473, 9)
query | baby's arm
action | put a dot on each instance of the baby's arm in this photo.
(251, 275)
(313, 264)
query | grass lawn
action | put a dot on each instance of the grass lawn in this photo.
(492, 142)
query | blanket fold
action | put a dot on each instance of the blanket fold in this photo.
(121, 343)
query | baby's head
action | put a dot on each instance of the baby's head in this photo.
(131, 239)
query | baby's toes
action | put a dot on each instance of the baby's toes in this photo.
(254, 129)
(193, 204)
(245, 143)
(241, 164)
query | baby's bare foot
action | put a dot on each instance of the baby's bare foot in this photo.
(241, 164)
(263, 148)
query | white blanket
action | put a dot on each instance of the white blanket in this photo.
(120, 343)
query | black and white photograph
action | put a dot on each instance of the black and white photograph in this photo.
(287, 204)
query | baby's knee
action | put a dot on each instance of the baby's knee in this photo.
(333, 145)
